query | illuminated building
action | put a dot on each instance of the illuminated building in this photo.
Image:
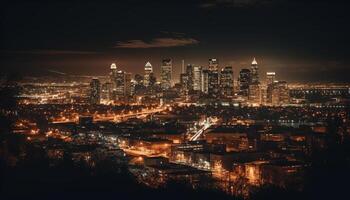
(254, 70)
(270, 77)
(95, 91)
(106, 91)
(184, 82)
(197, 74)
(244, 81)
(113, 74)
(254, 94)
(189, 72)
(213, 83)
(166, 73)
(213, 64)
(148, 72)
(226, 81)
(283, 91)
(278, 93)
(123, 85)
(205, 81)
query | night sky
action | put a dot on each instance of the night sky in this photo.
(299, 40)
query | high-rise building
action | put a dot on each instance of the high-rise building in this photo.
(278, 93)
(148, 72)
(213, 64)
(189, 72)
(123, 85)
(254, 95)
(254, 70)
(106, 91)
(113, 74)
(244, 81)
(166, 73)
(270, 77)
(184, 82)
(283, 92)
(95, 91)
(120, 84)
(213, 83)
(197, 76)
(205, 81)
(226, 81)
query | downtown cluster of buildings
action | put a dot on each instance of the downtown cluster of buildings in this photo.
(197, 84)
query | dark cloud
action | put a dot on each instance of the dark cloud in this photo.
(156, 43)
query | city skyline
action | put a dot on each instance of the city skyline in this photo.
(165, 99)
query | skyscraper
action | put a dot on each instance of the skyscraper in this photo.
(123, 85)
(189, 72)
(197, 76)
(278, 93)
(205, 81)
(166, 73)
(184, 82)
(270, 77)
(244, 81)
(213, 64)
(254, 70)
(128, 89)
(226, 81)
(148, 72)
(106, 91)
(113, 74)
(213, 83)
(95, 91)
(120, 85)
(213, 77)
(254, 94)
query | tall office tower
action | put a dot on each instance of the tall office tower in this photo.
(213, 83)
(270, 77)
(106, 91)
(166, 74)
(278, 93)
(283, 92)
(226, 81)
(148, 72)
(123, 85)
(213, 64)
(254, 70)
(244, 81)
(95, 91)
(189, 72)
(184, 84)
(120, 85)
(197, 76)
(205, 81)
(254, 96)
(113, 74)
